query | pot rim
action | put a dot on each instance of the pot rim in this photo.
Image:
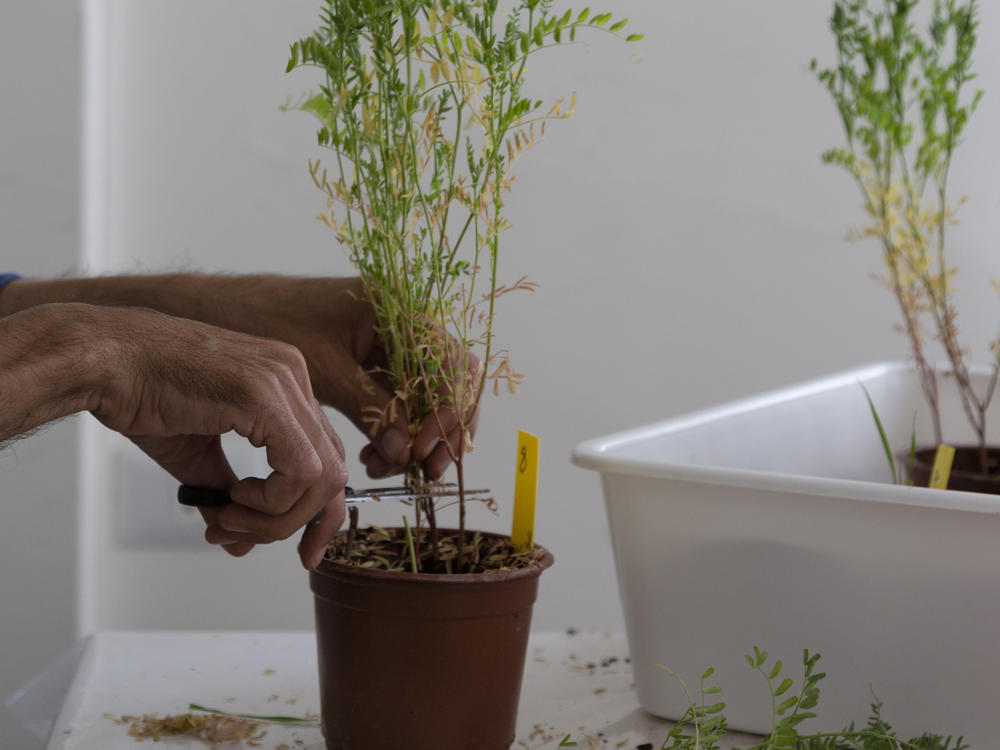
(923, 455)
(334, 568)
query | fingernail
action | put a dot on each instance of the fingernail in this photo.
(318, 558)
(393, 444)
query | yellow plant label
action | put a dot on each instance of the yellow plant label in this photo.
(522, 535)
(943, 459)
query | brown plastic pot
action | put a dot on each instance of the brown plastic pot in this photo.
(965, 471)
(421, 661)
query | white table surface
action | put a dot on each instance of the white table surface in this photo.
(574, 684)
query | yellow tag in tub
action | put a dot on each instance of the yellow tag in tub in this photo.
(943, 459)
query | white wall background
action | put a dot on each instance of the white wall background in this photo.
(39, 226)
(687, 240)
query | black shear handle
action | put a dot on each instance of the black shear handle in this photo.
(201, 497)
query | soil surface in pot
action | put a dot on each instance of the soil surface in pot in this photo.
(965, 470)
(389, 549)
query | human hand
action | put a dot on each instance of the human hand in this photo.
(332, 323)
(181, 384)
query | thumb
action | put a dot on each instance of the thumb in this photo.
(378, 413)
(385, 422)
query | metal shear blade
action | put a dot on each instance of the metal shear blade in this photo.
(405, 493)
(201, 497)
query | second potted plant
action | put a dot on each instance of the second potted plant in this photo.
(771, 518)
(904, 101)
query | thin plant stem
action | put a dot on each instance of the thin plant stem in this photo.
(414, 566)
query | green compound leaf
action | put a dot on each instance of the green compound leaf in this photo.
(775, 671)
(784, 686)
(782, 707)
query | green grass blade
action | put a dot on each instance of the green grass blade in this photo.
(881, 434)
(272, 719)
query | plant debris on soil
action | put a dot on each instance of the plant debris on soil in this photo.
(213, 729)
(388, 549)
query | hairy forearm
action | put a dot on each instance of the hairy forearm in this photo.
(322, 317)
(53, 362)
(262, 304)
(186, 295)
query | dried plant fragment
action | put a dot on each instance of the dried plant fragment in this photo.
(213, 729)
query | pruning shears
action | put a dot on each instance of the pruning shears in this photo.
(201, 497)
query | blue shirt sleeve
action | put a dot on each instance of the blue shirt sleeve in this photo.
(6, 278)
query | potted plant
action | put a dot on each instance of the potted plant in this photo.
(422, 629)
(904, 101)
(771, 518)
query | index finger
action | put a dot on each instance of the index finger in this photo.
(293, 457)
(277, 506)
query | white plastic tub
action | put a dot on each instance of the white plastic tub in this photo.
(770, 522)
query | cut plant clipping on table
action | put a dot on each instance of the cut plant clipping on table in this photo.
(423, 111)
(703, 726)
(903, 87)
